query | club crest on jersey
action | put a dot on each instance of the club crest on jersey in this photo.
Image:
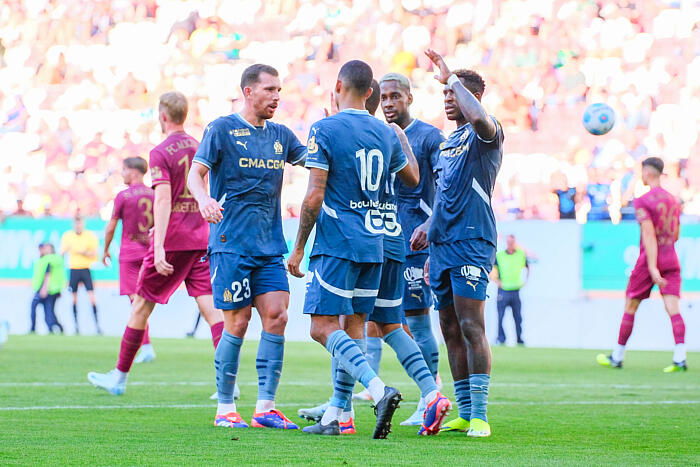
(228, 296)
(245, 145)
(312, 147)
(279, 149)
(239, 132)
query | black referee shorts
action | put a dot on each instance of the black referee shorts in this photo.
(78, 276)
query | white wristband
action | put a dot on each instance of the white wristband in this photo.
(452, 80)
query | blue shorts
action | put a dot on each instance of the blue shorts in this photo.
(460, 268)
(416, 295)
(387, 308)
(236, 280)
(339, 286)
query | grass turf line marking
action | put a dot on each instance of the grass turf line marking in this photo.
(20, 384)
(201, 406)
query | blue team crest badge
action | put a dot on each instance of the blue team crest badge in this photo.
(278, 147)
(312, 147)
(464, 136)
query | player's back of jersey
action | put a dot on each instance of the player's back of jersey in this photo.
(170, 162)
(664, 210)
(135, 206)
(360, 153)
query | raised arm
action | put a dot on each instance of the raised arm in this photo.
(209, 208)
(469, 104)
(309, 212)
(410, 174)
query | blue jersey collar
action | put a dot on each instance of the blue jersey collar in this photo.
(356, 111)
(247, 123)
(410, 124)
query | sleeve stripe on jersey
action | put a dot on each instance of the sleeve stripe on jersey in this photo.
(299, 159)
(494, 136)
(405, 163)
(328, 210)
(316, 165)
(480, 191)
(426, 209)
(203, 162)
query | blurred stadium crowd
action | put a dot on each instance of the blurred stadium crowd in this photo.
(79, 82)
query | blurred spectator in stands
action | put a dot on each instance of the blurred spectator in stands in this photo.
(20, 211)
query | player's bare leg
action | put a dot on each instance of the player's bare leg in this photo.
(93, 302)
(470, 313)
(614, 360)
(326, 330)
(212, 316)
(114, 382)
(672, 305)
(75, 311)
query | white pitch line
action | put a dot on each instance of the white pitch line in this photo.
(316, 384)
(201, 406)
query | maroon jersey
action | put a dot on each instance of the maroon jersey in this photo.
(134, 206)
(170, 162)
(664, 211)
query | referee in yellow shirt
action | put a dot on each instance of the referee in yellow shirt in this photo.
(81, 247)
(510, 264)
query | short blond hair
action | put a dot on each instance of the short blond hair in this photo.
(174, 104)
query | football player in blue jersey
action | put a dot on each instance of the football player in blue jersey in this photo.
(244, 155)
(414, 208)
(350, 156)
(462, 235)
(387, 316)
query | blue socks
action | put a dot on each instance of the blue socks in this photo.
(374, 352)
(480, 393)
(463, 395)
(343, 383)
(226, 359)
(422, 331)
(350, 357)
(269, 364)
(411, 359)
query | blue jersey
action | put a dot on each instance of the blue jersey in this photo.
(246, 166)
(416, 204)
(360, 153)
(466, 176)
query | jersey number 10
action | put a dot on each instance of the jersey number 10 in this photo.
(370, 181)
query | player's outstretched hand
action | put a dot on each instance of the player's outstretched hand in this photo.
(443, 71)
(657, 278)
(162, 266)
(210, 209)
(294, 263)
(426, 271)
(419, 238)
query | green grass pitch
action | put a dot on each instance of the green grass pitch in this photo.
(547, 407)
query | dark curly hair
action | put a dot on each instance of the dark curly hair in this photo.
(471, 80)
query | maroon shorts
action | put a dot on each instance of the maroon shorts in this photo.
(192, 267)
(128, 276)
(640, 283)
